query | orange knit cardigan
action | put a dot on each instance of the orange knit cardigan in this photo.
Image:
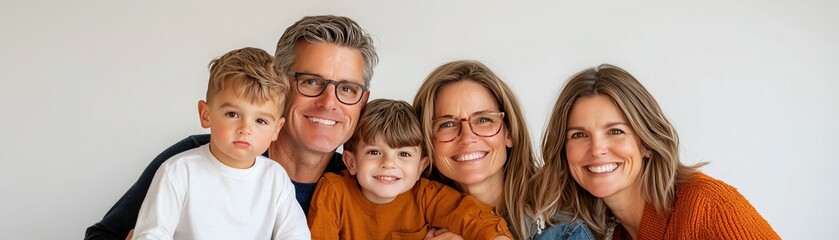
(705, 208)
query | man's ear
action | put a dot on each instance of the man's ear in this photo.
(204, 113)
(423, 164)
(364, 98)
(280, 124)
(349, 161)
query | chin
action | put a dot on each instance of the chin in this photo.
(471, 179)
(323, 145)
(601, 192)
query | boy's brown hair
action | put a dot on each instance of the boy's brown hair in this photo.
(252, 73)
(393, 120)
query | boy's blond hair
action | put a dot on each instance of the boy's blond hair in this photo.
(393, 120)
(252, 73)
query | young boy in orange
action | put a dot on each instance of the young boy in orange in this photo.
(226, 189)
(381, 195)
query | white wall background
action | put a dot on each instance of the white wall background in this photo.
(91, 91)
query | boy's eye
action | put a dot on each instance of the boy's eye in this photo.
(262, 121)
(231, 114)
(374, 152)
(404, 154)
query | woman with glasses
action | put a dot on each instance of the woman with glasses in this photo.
(476, 135)
(612, 157)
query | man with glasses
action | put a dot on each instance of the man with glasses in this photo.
(330, 60)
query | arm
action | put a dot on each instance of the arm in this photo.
(733, 217)
(462, 214)
(290, 222)
(161, 210)
(324, 214)
(123, 215)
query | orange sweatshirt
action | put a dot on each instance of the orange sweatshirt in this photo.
(340, 211)
(705, 208)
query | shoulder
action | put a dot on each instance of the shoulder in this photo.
(425, 186)
(186, 159)
(271, 166)
(333, 188)
(701, 187)
(711, 197)
(336, 180)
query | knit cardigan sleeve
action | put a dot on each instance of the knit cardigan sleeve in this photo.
(706, 208)
(731, 216)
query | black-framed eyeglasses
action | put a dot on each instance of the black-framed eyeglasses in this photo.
(484, 124)
(312, 85)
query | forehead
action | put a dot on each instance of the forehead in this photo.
(329, 61)
(380, 140)
(463, 98)
(230, 97)
(597, 108)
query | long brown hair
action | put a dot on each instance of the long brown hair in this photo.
(521, 162)
(555, 189)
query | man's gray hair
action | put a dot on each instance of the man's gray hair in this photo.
(338, 30)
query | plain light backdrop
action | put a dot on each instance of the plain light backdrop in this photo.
(91, 91)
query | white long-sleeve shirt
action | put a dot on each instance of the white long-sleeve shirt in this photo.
(194, 196)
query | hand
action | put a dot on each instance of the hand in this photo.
(441, 234)
(130, 234)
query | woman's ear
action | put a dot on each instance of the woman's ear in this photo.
(509, 139)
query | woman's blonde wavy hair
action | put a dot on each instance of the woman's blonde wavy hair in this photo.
(553, 186)
(521, 162)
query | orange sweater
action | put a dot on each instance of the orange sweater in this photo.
(340, 211)
(705, 208)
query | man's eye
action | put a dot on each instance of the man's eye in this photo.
(311, 82)
(231, 114)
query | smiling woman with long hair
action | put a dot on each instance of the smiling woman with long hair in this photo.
(612, 159)
(477, 138)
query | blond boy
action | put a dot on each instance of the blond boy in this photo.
(381, 195)
(226, 189)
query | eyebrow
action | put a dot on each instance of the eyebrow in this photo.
(227, 104)
(341, 80)
(266, 115)
(612, 124)
(608, 125)
(452, 116)
(258, 113)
